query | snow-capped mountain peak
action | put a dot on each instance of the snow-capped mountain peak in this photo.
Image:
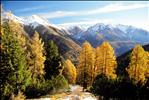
(10, 16)
(35, 20)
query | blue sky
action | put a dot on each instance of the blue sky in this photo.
(134, 13)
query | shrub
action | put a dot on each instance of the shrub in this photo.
(103, 86)
(120, 88)
(60, 82)
(43, 87)
(39, 88)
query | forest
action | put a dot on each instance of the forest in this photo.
(30, 68)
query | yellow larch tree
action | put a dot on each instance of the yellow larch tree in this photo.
(18, 30)
(147, 69)
(138, 64)
(85, 69)
(38, 57)
(24, 40)
(105, 61)
(70, 72)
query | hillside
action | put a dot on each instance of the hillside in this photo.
(67, 46)
(123, 60)
(122, 37)
(69, 39)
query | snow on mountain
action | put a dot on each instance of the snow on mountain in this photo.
(76, 31)
(95, 34)
(10, 16)
(119, 30)
(102, 26)
(69, 27)
(108, 32)
(35, 21)
(122, 27)
(72, 30)
(96, 27)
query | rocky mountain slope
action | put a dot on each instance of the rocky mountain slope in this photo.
(122, 37)
(67, 47)
(70, 39)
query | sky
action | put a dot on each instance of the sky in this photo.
(84, 13)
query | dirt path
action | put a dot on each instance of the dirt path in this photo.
(76, 93)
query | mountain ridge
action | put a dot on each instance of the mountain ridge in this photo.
(121, 37)
(67, 47)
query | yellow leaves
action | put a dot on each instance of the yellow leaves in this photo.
(138, 64)
(94, 62)
(70, 72)
(20, 96)
(147, 69)
(105, 60)
(18, 30)
(38, 57)
(102, 60)
(86, 64)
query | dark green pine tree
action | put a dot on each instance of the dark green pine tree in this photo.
(14, 74)
(53, 63)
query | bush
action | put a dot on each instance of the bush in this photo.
(125, 89)
(46, 86)
(41, 87)
(122, 88)
(103, 86)
(60, 82)
(144, 90)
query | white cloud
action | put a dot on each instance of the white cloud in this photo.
(57, 14)
(139, 24)
(117, 7)
(106, 9)
(31, 9)
(87, 22)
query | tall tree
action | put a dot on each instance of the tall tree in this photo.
(105, 60)
(70, 72)
(53, 63)
(18, 30)
(38, 57)
(24, 40)
(85, 69)
(137, 65)
(147, 69)
(14, 74)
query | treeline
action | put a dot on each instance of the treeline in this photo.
(29, 68)
(97, 72)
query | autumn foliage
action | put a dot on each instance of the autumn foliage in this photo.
(105, 60)
(86, 67)
(22, 65)
(37, 56)
(138, 64)
(70, 72)
(31, 68)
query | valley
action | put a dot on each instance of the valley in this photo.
(70, 38)
(54, 52)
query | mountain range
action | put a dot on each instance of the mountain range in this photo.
(122, 37)
(70, 39)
